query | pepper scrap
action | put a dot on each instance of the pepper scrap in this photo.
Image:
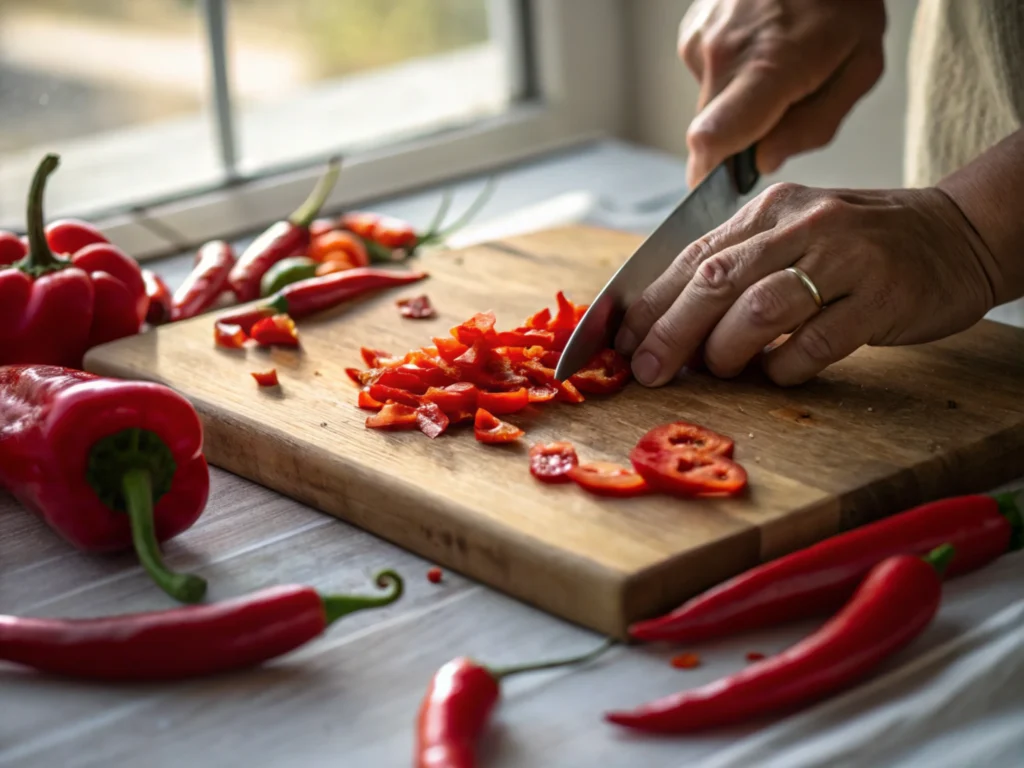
(266, 378)
(53, 309)
(280, 240)
(276, 330)
(605, 478)
(206, 282)
(159, 311)
(895, 603)
(458, 704)
(108, 464)
(817, 580)
(416, 308)
(206, 639)
(552, 462)
(315, 294)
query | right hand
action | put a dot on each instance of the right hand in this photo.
(782, 73)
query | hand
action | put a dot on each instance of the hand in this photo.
(782, 73)
(892, 267)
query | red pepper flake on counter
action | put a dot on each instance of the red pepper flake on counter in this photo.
(434, 575)
(416, 308)
(210, 639)
(458, 703)
(108, 464)
(266, 378)
(479, 373)
(685, 661)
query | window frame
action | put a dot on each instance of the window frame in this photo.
(573, 92)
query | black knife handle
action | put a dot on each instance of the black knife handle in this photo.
(744, 169)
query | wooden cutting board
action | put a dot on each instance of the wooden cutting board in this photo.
(882, 430)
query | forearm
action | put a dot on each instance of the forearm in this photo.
(988, 191)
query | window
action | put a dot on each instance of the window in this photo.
(215, 115)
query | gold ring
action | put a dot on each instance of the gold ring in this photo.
(808, 283)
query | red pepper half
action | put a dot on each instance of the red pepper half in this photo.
(53, 309)
(458, 704)
(281, 240)
(817, 580)
(159, 311)
(206, 282)
(108, 464)
(895, 603)
(183, 642)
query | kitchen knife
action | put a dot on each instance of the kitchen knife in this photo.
(715, 200)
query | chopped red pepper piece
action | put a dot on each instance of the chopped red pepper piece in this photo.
(606, 373)
(372, 357)
(454, 398)
(566, 316)
(551, 462)
(543, 393)
(434, 575)
(266, 378)
(689, 473)
(229, 336)
(393, 416)
(480, 326)
(383, 393)
(686, 661)
(540, 320)
(416, 308)
(431, 420)
(682, 435)
(367, 402)
(450, 349)
(489, 429)
(525, 338)
(605, 478)
(277, 330)
(504, 402)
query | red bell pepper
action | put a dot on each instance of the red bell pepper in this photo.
(108, 464)
(817, 580)
(52, 308)
(280, 240)
(895, 603)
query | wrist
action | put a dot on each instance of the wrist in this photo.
(977, 257)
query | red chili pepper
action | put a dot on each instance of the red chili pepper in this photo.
(159, 295)
(487, 428)
(183, 642)
(688, 473)
(606, 478)
(551, 462)
(281, 240)
(458, 704)
(53, 309)
(417, 308)
(896, 601)
(266, 378)
(339, 245)
(276, 330)
(206, 282)
(682, 435)
(108, 464)
(306, 297)
(817, 580)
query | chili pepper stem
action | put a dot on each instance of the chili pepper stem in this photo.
(40, 259)
(474, 208)
(336, 606)
(137, 487)
(500, 673)
(940, 557)
(310, 209)
(442, 211)
(1009, 509)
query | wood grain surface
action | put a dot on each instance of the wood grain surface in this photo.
(884, 429)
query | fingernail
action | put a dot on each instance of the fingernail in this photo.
(625, 342)
(646, 368)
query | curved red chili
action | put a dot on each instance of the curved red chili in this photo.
(206, 282)
(818, 579)
(894, 604)
(458, 704)
(183, 642)
(159, 295)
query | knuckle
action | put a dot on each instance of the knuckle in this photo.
(696, 253)
(781, 191)
(720, 51)
(765, 305)
(716, 276)
(816, 346)
(826, 210)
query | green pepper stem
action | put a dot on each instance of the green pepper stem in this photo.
(1009, 509)
(336, 606)
(442, 211)
(474, 208)
(501, 673)
(940, 557)
(40, 259)
(137, 487)
(310, 209)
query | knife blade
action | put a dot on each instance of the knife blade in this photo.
(713, 202)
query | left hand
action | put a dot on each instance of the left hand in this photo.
(892, 267)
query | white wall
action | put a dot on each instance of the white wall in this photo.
(868, 151)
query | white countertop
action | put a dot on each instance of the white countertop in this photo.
(952, 698)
